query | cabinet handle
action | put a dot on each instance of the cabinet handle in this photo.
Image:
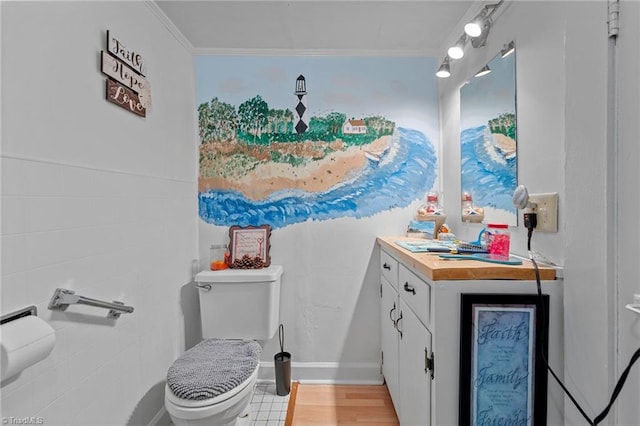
(386, 266)
(391, 312)
(409, 288)
(396, 324)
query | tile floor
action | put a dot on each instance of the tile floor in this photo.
(267, 407)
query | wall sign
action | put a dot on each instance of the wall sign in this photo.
(126, 86)
(125, 98)
(122, 73)
(503, 343)
(120, 51)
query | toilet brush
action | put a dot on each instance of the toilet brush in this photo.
(282, 361)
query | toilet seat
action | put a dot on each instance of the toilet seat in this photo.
(191, 403)
(220, 410)
(212, 368)
(212, 382)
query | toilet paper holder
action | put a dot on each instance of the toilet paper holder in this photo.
(62, 298)
(24, 312)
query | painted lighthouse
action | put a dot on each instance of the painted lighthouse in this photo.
(301, 118)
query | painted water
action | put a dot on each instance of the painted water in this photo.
(488, 174)
(396, 181)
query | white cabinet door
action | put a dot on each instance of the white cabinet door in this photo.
(388, 313)
(415, 371)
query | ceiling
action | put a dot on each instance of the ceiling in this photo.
(394, 27)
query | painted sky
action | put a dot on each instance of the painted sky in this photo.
(355, 86)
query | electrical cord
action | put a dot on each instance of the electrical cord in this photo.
(545, 318)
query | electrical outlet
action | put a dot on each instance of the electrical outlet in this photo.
(547, 210)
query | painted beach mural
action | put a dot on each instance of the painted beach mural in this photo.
(289, 139)
(489, 142)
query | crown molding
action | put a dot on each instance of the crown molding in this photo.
(313, 52)
(168, 23)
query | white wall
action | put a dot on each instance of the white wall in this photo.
(627, 241)
(330, 295)
(561, 77)
(97, 200)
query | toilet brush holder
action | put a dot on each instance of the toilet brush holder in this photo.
(282, 361)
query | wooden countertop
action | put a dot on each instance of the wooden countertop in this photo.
(435, 268)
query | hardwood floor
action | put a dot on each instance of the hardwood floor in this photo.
(327, 405)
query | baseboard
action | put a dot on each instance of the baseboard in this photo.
(344, 373)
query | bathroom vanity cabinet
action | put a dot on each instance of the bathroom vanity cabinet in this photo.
(420, 328)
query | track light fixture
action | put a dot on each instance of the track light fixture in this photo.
(483, 71)
(445, 70)
(477, 32)
(508, 49)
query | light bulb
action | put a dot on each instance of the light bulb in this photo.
(455, 52)
(443, 73)
(473, 29)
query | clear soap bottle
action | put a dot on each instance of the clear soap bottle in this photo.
(218, 257)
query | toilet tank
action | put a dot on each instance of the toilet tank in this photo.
(241, 304)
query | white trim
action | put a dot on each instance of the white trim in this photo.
(352, 373)
(171, 27)
(20, 157)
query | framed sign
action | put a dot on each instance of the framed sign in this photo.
(503, 378)
(249, 246)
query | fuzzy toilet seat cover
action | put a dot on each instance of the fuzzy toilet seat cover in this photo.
(213, 367)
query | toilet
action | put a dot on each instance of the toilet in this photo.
(212, 383)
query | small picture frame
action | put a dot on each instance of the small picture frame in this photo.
(249, 246)
(503, 342)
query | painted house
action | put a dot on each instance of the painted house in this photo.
(101, 201)
(354, 127)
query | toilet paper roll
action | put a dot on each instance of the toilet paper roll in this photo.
(24, 342)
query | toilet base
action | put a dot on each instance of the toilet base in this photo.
(230, 417)
(230, 412)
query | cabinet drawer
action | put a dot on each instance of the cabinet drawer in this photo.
(416, 292)
(389, 268)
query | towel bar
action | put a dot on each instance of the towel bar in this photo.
(62, 298)
(634, 307)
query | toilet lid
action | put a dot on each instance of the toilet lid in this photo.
(213, 367)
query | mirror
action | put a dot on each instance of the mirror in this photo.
(488, 142)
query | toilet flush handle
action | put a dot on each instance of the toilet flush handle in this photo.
(206, 287)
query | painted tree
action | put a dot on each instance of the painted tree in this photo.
(278, 119)
(217, 121)
(335, 121)
(226, 119)
(380, 125)
(204, 121)
(287, 120)
(253, 115)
